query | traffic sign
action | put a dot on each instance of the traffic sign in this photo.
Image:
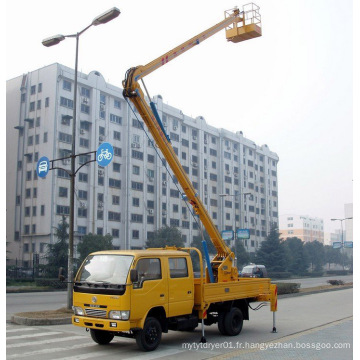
(348, 244)
(104, 154)
(227, 235)
(337, 245)
(243, 234)
(42, 167)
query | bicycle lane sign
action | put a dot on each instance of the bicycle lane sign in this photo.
(104, 154)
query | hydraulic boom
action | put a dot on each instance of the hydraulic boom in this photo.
(240, 26)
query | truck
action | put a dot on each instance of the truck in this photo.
(142, 294)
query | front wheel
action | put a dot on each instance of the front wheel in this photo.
(101, 337)
(148, 339)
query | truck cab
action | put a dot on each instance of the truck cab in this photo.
(116, 292)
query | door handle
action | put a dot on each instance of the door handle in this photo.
(162, 295)
(189, 292)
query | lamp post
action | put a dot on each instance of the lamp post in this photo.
(54, 40)
(234, 195)
(342, 236)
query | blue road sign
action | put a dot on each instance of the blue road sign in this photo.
(42, 167)
(337, 245)
(104, 154)
(348, 244)
(243, 233)
(227, 234)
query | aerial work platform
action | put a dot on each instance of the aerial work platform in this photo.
(247, 26)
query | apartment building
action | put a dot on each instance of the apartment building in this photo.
(304, 227)
(137, 193)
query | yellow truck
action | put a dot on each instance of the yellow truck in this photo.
(144, 293)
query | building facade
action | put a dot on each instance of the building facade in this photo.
(303, 227)
(137, 193)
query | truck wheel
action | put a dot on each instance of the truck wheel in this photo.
(221, 324)
(101, 337)
(233, 321)
(149, 337)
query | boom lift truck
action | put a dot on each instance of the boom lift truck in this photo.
(143, 293)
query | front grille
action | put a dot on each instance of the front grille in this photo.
(96, 313)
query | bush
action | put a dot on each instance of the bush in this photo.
(335, 282)
(337, 272)
(280, 275)
(287, 288)
(51, 283)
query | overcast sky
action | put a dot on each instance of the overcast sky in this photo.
(290, 89)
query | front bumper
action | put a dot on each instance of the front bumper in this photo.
(101, 324)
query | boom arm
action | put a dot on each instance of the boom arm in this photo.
(222, 262)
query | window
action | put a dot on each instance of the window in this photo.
(117, 104)
(68, 103)
(84, 142)
(114, 216)
(62, 210)
(115, 183)
(82, 212)
(85, 92)
(148, 269)
(116, 167)
(117, 135)
(83, 195)
(115, 233)
(137, 218)
(137, 155)
(38, 105)
(83, 177)
(178, 267)
(115, 119)
(137, 186)
(66, 85)
(65, 137)
(117, 151)
(47, 102)
(213, 152)
(136, 202)
(33, 89)
(32, 106)
(63, 192)
(136, 170)
(85, 109)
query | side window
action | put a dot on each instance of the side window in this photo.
(178, 268)
(148, 269)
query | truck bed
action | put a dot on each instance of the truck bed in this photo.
(206, 293)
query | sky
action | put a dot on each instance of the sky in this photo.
(291, 89)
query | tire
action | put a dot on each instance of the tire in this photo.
(101, 337)
(148, 339)
(221, 325)
(233, 321)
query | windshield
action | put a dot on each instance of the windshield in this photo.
(247, 270)
(112, 269)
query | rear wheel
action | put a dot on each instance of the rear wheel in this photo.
(221, 325)
(233, 322)
(101, 337)
(149, 337)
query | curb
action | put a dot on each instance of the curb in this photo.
(20, 320)
(283, 296)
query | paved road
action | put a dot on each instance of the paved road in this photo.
(312, 282)
(323, 320)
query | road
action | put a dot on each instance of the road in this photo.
(322, 320)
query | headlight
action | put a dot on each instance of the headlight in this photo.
(119, 315)
(78, 310)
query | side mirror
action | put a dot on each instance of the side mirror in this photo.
(61, 274)
(134, 276)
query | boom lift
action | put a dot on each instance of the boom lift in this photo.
(143, 293)
(240, 26)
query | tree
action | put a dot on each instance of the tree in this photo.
(272, 252)
(242, 257)
(91, 243)
(197, 243)
(166, 236)
(332, 256)
(57, 253)
(316, 253)
(298, 260)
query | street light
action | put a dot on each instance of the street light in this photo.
(342, 235)
(234, 195)
(54, 40)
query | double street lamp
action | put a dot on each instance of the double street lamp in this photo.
(51, 41)
(234, 195)
(342, 235)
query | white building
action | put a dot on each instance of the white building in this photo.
(303, 227)
(135, 194)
